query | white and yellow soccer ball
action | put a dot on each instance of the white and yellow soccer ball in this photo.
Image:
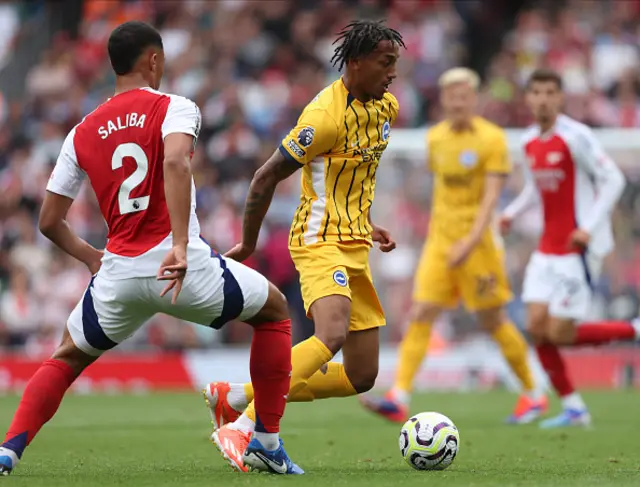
(429, 441)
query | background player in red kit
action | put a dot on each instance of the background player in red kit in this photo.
(578, 186)
(135, 149)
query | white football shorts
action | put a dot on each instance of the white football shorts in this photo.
(564, 282)
(112, 310)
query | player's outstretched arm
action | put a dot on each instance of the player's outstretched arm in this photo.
(261, 190)
(53, 225)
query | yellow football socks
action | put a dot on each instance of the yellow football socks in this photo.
(306, 359)
(514, 350)
(411, 353)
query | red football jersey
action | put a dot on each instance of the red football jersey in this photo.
(120, 148)
(577, 183)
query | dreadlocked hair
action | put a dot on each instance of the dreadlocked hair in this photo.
(360, 38)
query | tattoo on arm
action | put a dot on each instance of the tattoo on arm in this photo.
(263, 186)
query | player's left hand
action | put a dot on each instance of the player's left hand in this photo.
(173, 269)
(579, 239)
(460, 252)
(383, 237)
(240, 252)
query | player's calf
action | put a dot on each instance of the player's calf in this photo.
(270, 366)
(537, 322)
(41, 399)
(360, 352)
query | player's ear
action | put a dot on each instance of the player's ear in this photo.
(153, 62)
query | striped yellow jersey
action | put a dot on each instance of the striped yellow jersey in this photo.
(339, 141)
(460, 162)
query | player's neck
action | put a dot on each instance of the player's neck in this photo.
(130, 82)
(461, 125)
(353, 89)
(547, 125)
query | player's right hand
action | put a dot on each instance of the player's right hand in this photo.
(240, 252)
(94, 266)
(173, 269)
(504, 224)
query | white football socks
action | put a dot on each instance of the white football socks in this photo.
(573, 401)
(237, 397)
(403, 397)
(244, 423)
(271, 441)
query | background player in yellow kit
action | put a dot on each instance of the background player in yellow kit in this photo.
(337, 143)
(462, 258)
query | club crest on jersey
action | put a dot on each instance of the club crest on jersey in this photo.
(554, 158)
(340, 278)
(468, 158)
(386, 130)
(305, 137)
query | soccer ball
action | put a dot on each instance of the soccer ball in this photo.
(429, 441)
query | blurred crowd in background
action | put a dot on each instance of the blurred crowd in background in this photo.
(252, 66)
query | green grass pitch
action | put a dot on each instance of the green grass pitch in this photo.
(162, 440)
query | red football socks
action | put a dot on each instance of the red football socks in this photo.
(39, 403)
(604, 332)
(554, 366)
(270, 367)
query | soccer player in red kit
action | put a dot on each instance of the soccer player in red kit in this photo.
(135, 149)
(578, 186)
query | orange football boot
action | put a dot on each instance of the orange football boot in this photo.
(232, 443)
(528, 410)
(386, 406)
(215, 396)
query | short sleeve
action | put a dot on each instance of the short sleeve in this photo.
(498, 160)
(314, 134)
(67, 176)
(428, 151)
(183, 117)
(394, 108)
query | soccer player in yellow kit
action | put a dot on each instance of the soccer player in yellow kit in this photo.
(463, 258)
(337, 142)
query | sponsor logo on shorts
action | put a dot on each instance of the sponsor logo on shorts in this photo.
(340, 278)
(295, 148)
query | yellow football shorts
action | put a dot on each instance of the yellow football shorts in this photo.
(340, 268)
(481, 281)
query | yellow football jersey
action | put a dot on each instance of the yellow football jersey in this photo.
(460, 162)
(339, 141)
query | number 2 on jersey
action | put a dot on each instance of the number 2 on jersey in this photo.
(125, 202)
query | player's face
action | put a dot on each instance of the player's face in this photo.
(378, 70)
(458, 101)
(156, 67)
(544, 99)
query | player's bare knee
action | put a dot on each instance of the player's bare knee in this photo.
(537, 323)
(363, 377)
(424, 312)
(333, 334)
(275, 309)
(561, 332)
(71, 355)
(491, 319)
(331, 316)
